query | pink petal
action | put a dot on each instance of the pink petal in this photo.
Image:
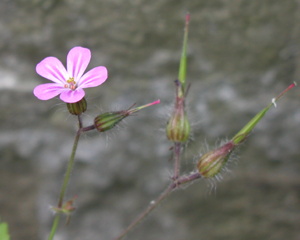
(52, 69)
(93, 78)
(72, 96)
(77, 61)
(47, 91)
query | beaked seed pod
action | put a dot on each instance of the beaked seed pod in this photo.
(108, 120)
(178, 127)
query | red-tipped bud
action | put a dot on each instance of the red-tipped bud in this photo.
(78, 107)
(107, 121)
(211, 163)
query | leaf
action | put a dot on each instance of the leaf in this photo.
(4, 235)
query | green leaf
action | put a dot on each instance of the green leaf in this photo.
(4, 235)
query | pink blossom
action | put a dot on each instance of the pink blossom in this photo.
(70, 82)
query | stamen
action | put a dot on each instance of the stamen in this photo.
(71, 80)
(71, 84)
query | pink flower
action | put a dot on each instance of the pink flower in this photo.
(70, 82)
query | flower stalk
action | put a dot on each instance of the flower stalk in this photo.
(178, 131)
(178, 126)
(65, 181)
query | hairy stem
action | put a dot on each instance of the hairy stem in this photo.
(69, 170)
(153, 204)
(177, 155)
(54, 226)
(66, 180)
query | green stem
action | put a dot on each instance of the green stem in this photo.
(69, 170)
(54, 226)
(177, 155)
(66, 180)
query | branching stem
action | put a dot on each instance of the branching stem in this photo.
(153, 204)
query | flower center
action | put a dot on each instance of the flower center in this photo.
(70, 84)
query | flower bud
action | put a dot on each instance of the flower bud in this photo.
(78, 107)
(107, 121)
(211, 163)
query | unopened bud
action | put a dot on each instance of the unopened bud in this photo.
(211, 163)
(107, 121)
(78, 107)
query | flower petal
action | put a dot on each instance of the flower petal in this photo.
(52, 69)
(47, 91)
(93, 78)
(72, 96)
(77, 61)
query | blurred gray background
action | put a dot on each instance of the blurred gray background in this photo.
(241, 54)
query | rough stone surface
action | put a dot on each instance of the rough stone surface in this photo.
(241, 54)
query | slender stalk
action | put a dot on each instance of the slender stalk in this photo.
(54, 226)
(177, 155)
(69, 169)
(153, 204)
(66, 180)
(141, 217)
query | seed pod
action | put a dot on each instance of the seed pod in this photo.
(107, 121)
(178, 127)
(211, 163)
